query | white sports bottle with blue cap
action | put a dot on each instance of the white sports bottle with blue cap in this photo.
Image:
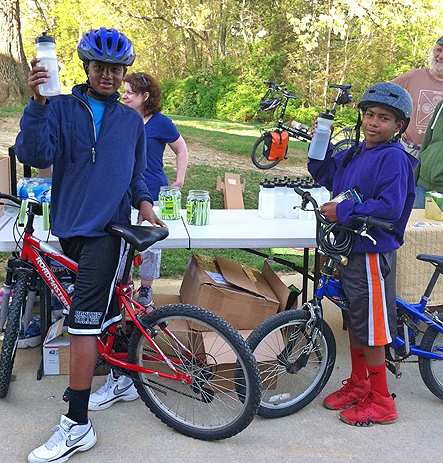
(320, 140)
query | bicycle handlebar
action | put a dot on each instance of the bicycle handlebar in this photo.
(14, 199)
(358, 222)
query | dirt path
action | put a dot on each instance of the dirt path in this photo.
(198, 154)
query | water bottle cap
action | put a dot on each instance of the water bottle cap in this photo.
(281, 183)
(292, 184)
(316, 185)
(44, 38)
(308, 186)
(326, 116)
(268, 185)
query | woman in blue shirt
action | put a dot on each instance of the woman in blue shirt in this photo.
(142, 93)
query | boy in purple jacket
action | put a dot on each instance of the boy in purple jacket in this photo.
(384, 173)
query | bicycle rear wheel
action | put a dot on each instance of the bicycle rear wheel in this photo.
(277, 344)
(343, 145)
(224, 393)
(12, 330)
(431, 370)
(258, 155)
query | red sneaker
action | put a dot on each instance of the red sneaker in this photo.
(374, 408)
(350, 394)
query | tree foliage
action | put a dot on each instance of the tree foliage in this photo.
(211, 56)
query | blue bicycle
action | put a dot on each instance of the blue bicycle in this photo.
(296, 349)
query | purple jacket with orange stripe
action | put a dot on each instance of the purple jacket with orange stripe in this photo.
(385, 176)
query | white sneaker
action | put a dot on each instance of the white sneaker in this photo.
(68, 438)
(112, 391)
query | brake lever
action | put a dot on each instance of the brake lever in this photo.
(363, 232)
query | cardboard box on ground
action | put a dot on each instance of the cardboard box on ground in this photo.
(241, 295)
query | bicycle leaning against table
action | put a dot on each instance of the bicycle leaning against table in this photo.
(297, 350)
(261, 155)
(190, 367)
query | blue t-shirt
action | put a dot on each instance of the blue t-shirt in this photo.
(159, 130)
(98, 108)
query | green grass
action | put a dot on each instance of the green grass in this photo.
(231, 137)
(11, 111)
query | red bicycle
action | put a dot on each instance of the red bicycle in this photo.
(190, 367)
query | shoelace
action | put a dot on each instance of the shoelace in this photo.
(109, 380)
(144, 292)
(363, 402)
(57, 437)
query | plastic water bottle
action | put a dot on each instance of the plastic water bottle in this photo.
(292, 200)
(268, 201)
(280, 194)
(45, 46)
(317, 193)
(320, 140)
(325, 195)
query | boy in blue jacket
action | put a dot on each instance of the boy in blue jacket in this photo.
(96, 146)
(384, 173)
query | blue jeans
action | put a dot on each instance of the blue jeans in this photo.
(420, 197)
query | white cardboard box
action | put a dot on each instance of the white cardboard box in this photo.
(56, 350)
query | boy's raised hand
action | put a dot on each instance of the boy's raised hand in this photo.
(329, 210)
(147, 213)
(37, 75)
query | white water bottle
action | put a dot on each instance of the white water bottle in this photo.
(320, 140)
(45, 46)
(268, 201)
(260, 198)
(317, 193)
(280, 194)
(292, 201)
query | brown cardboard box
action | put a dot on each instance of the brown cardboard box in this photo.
(224, 363)
(5, 177)
(232, 188)
(241, 295)
(46, 173)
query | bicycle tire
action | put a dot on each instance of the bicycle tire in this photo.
(285, 392)
(217, 404)
(432, 341)
(12, 330)
(342, 145)
(257, 157)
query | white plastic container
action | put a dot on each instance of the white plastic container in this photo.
(317, 193)
(280, 194)
(45, 46)
(320, 140)
(292, 201)
(325, 195)
(268, 201)
(260, 196)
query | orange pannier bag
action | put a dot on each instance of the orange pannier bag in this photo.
(276, 145)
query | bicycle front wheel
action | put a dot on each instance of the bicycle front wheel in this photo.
(290, 380)
(12, 330)
(343, 145)
(259, 155)
(222, 393)
(431, 370)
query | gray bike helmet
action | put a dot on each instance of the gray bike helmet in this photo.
(389, 95)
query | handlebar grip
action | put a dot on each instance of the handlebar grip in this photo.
(379, 223)
(10, 198)
(299, 191)
(371, 222)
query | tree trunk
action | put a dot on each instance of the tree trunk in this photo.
(13, 66)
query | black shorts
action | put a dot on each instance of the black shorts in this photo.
(369, 284)
(94, 303)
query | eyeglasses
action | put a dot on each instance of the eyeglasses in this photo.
(142, 77)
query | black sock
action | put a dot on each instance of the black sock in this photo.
(78, 405)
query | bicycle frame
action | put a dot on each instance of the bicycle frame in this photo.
(332, 289)
(36, 251)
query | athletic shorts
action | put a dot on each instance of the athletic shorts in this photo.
(94, 303)
(369, 284)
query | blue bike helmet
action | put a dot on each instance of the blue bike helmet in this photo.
(389, 95)
(107, 45)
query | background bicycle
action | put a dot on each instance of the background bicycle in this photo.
(190, 367)
(300, 347)
(278, 96)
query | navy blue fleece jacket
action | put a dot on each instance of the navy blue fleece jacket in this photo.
(94, 180)
(385, 176)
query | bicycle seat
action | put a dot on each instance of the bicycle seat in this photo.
(437, 260)
(140, 237)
